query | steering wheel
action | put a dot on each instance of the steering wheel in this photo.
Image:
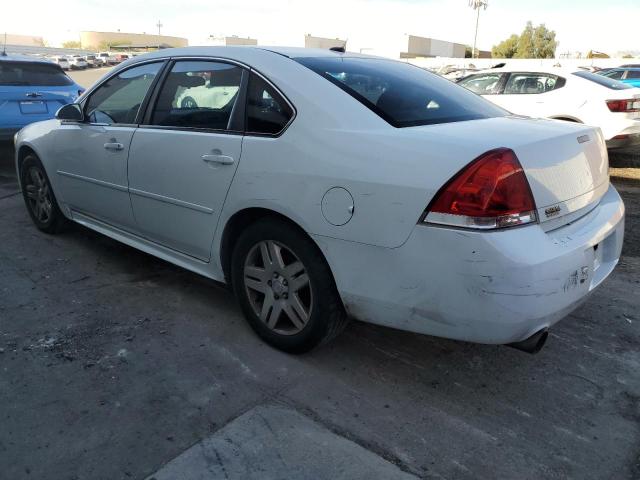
(188, 102)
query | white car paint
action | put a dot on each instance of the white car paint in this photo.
(579, 100)
(495, 287)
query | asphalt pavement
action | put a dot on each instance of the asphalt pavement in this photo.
(118, 365)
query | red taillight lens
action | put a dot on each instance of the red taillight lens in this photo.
(631, 105)
(490, 192)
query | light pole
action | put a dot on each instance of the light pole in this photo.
(477, 5)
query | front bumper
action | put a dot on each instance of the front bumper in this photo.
(487, 287)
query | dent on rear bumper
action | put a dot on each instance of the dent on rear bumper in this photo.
(497, 287)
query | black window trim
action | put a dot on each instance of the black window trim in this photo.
(143, 105)
(528, 72)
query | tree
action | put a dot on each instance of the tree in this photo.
(533, 42)
(71, 44)
(506, 48)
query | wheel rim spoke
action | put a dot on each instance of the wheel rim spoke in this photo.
(256, 285)
(276, 255)
(31, 191)
(299, 282)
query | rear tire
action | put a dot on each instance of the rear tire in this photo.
(285, 287)
(39, 198)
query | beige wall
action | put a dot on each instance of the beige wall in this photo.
(96, 39)
(324, 43)
(430, 47)
(26, 40)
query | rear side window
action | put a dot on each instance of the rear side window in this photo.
(483, 83)
(532, 83)
(633, 74)
(32, 74)
(604, 81)
(198, 94)
(400, 93)
(267, 112)
(615, 74)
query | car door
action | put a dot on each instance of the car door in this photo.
(92, 155)
(185, 155)
(531, 93)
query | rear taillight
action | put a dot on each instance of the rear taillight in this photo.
(630, 105)
(490, 192)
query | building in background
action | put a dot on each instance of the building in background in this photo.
(324, 43)
(128, 41)
(21, 40)
(229, 41)
(423, 47)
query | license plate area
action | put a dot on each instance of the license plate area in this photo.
(33, 107)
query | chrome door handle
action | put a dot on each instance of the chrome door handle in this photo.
(221, 159)
(113, 146)
(33, 94)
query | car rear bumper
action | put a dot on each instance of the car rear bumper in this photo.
(488, 287)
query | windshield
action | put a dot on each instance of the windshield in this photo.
(602, 80)
(32, 74)
(402, 94)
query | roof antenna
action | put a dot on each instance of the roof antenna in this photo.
(4, 49)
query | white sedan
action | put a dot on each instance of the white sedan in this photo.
(571, 95)
(332, 185)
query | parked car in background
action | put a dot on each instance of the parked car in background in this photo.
(571, 95)
(105, 58)
(31, 90)
(457, 73)
(91, 60)
(62, 61)
(121, 57)
(625, 75)
(77, 62)
(333, 185)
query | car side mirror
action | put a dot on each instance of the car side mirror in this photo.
(71, 112)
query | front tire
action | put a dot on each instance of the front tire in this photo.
(285, 287)
(39, 198)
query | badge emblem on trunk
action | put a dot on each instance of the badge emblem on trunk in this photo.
(552, 211)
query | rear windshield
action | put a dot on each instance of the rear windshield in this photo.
(602, 80)
(402, 94)
(32, 74)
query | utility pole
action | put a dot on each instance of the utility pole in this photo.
(477, 5)
(159, 25)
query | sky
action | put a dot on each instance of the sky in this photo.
(376, 26)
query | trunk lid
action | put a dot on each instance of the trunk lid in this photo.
(566, 163)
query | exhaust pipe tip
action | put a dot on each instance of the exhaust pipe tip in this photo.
(533, 344)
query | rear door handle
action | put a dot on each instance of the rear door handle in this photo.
(33, 94)
(221, 159)
(113, 146)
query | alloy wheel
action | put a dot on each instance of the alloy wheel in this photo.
(278, 287)
(38, 194)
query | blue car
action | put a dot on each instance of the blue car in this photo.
(31, 90)
(629, 75)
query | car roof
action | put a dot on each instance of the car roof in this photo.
(289, 52)
(624, 68)
(551, 70)
(23, 58)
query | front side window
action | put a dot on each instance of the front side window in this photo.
(119, 98)
(267, 112)
(198, 94)
(532, 83)
(32, 74)
(402, 94)
(633, 74)
(482, 84)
